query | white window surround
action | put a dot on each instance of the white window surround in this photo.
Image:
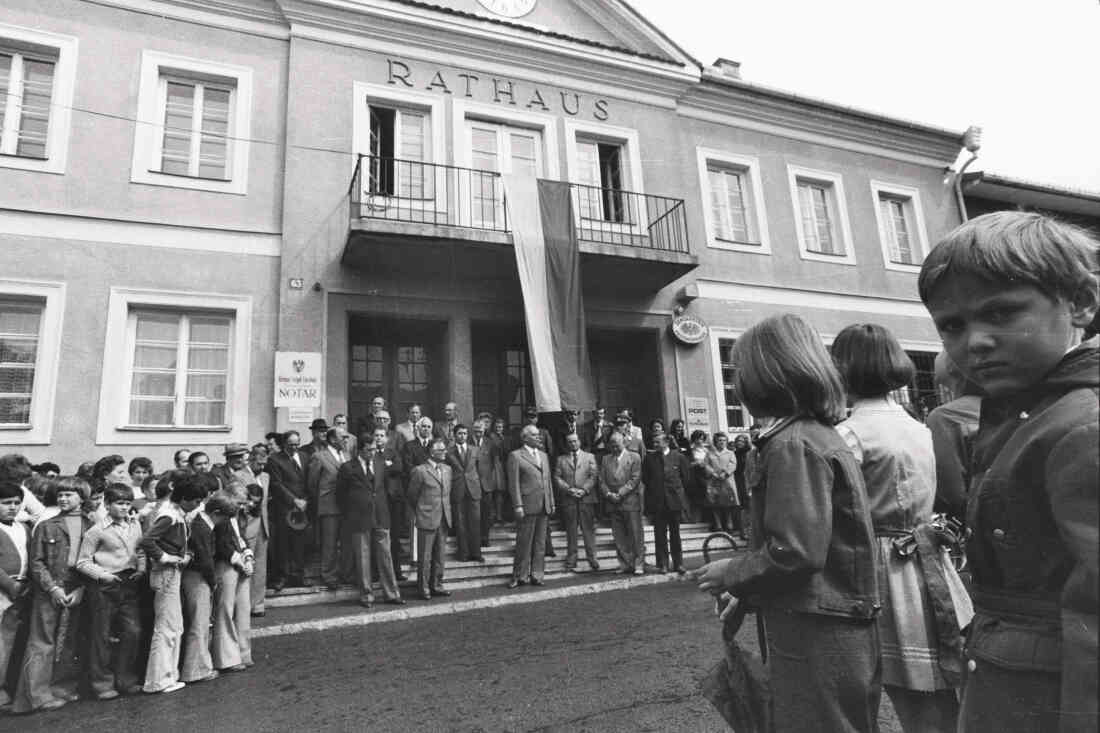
(61, 100)
(750, 165)
(49, 358)
(149, 132)
(844, 229)
(114, 398)
(625, 136)
(912, 195)
(364, 94)
(463, 110)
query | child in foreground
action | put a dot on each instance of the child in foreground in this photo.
(1011, 294)
(811, 569)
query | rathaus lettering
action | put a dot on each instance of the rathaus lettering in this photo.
(502, 91)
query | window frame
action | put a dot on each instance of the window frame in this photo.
(63, 51)
(47, 362)
(627, 140)
(919, 234)
(751, 166)
(197, 110)
(797, 174)
(114, 395)
(156, 69)
(717, 335)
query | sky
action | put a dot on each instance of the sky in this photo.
(1026, 71)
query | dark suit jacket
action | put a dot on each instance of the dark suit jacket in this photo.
(201, 544)
(530, 482)
(414, 454)
(287, 482)
(583, 475)
(321, 479)
(622, 477)
(596, 441)
(431, 497)
(664, 479)
(466, 481)
(489, 468)
(362, 496)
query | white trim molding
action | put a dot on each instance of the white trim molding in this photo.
(751, 165)
(843, 227)
(149, 130)
(918, 238)
(61, 97)
(627, 136)
(47, 363)
(717, 333)
(49, 225)
(812, 299)
(114, 398)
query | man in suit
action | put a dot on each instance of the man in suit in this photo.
(466, 495)
(406, 431)
(287, 470)
(575, 477)
(318, 429)
(363, 487)
(546, 444)
(430, 496)
(631, 442)
(445, 428)
(563, 432)
(321, 480)
(529, 481)
(665, 475)
(596, 432)
(351, 445)
(489, 471)
(620, 473)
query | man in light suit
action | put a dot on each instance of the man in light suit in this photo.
(406, 431)
(575, 477)
(529, 481)
(362, 491)
(321, 480)
(430, 497)
(490, 472)
(620, 474)
(466, 494)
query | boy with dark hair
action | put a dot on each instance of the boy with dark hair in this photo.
(14, 549)
(1011, 294)
(48, 678)
(111, 558)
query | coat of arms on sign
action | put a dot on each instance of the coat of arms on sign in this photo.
(299, 365)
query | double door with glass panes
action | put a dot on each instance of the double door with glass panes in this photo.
(497, 148)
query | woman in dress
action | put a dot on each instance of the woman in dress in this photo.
(921, 659)
(719, 466)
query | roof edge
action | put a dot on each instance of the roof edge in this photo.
(977, 177)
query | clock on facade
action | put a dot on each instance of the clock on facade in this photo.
(509, 8)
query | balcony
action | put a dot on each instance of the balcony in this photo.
(406, 215)
(636, 241)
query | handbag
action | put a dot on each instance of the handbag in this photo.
(738, 686)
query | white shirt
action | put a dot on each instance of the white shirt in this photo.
(297, 458)
(533, 451)
(338, 455)
(17, 533)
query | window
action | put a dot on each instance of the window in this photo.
(399, 145)
(26, 91)
(920, 396)
(733, 203)
(196, 138)
(821, 217)
(734, 416)
(500, 149)
(601, 166)
(194, 124)
(181, 366)
(176, 368)
(37, 71)
(20, 326)
(901, 226)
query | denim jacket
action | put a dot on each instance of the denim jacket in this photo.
(49, 558)
(813, 543)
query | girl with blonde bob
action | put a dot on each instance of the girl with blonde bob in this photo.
(810, 571)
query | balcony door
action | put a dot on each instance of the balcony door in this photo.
(399, 181)
(499, 149)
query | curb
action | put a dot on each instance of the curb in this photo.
(437, 608)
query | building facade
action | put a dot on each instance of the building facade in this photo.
(187, 188)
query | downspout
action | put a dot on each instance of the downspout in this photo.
(972, 141)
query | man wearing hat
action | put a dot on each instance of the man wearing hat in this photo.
(235, 475)
(287, 483)
(317, 428)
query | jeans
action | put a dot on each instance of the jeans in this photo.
(113, 608)
(197, 605)
(231, 644)
(164, 651)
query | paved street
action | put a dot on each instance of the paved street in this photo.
(626, 660)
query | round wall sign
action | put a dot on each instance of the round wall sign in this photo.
(689, 329)
(509, 8)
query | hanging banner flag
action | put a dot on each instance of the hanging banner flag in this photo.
(548, 260)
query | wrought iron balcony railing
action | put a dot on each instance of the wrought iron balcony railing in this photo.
(427, 193)
(611, 216)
